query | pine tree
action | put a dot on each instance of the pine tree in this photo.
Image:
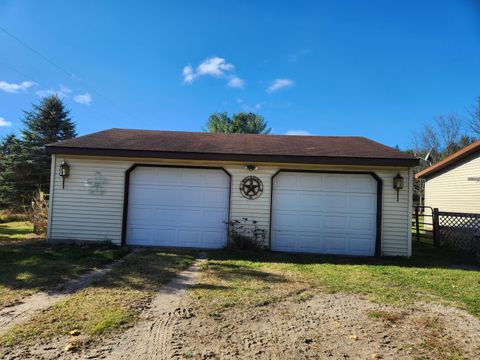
(25, 166)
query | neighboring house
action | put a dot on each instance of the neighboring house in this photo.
(176, 189)
(453, 184)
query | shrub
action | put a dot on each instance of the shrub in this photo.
(38, 214)
(246, 235)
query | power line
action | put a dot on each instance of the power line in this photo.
(11, 68)
(20, 73)
(63, 70)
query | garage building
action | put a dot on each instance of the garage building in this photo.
(315, 194)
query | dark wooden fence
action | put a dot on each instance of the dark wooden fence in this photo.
(454, 230)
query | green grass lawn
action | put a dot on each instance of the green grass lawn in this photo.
(249, 278)
(27, 267)
(110, 304)
(16, 230)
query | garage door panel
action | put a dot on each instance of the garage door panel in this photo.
(283, 221)
(307, 221)
(141, 215)
(286, 181)
(335, 243)
(187, 217)
(163, 236)
(309, 182)
(308, 243)
(140, 195)
(308, 201)
(335, 183)
(332, 213)
(210, 218)
(178, 207)
(213, 180)
(361, 224)
(189, 238)
(163, 216)
(363, 185)
(364, 203)
(284, 240)
(335, 222)
(215, 198)
(210, 239)
(166, 178)
(361, 244)
(287, 198)
(334, 202)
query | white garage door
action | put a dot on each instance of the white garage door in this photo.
(178, 207)
(324, 213)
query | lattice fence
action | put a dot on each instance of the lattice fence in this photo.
(459, 231)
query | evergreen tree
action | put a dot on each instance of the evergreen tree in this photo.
(25, 166)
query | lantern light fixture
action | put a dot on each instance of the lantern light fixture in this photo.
(64, 172)
(398, 184)
(251, 167)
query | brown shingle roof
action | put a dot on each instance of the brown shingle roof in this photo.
(242, 147)
(449, 160)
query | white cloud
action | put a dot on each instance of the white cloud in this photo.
(236, 82)
(298, 132)
(84, 99)
(188, 74)
(4, 123)
(15, 88)
(214, 66)
(278, 84)
(63, 92)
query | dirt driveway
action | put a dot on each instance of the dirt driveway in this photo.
(336, 326)
(273, 306)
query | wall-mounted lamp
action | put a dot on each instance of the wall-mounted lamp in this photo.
(398, 183)
(251, 167)
(64, 172)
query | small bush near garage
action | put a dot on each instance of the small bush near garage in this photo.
(38, 214)
(245, 234)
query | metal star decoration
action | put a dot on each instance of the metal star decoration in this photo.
(251, 187)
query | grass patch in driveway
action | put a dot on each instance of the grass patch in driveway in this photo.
(110, 304)
(243, 278)
(27, 267)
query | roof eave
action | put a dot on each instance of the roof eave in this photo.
(449, 162)
(404, 162)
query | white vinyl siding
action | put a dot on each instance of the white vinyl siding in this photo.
(90, 207)
(451, 191)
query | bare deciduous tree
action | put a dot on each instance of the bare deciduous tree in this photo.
(475, 118)
(439, 139)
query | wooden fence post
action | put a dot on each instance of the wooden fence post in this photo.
(417, 225)
(436, 228)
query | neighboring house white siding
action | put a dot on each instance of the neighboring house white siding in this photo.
(90, 208)
(452, 191)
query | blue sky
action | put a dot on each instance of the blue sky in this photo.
(373, 68)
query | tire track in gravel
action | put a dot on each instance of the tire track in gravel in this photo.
(151, 338)
(16, 314)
